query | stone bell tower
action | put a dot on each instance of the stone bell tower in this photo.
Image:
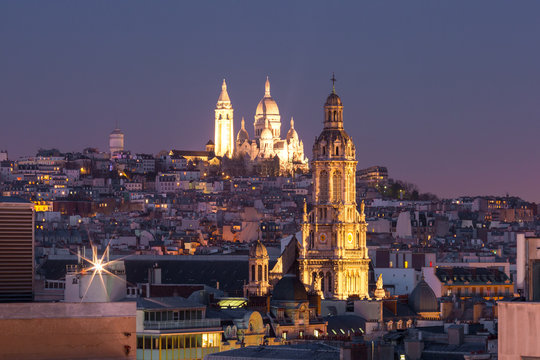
(334, 259)
(224, 135)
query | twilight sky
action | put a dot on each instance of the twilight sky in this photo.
(445, 94)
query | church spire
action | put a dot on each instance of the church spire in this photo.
(267, 87)
(224, 96)
(292, 122)
(243, 124)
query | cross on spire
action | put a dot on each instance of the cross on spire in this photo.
(333, 79)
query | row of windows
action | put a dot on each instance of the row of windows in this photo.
(337, 178)
(259, 275)
(177, 315)
(149, 342)
(337, 152)
(489, 291)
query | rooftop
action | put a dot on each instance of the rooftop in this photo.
(311, 351)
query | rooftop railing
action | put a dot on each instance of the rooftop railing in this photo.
(182, 324)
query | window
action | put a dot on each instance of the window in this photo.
(324, 150)
(351, 181)
(252, 272)
(337, 150)
(336, 186)
(329, 281)
(323, 186)
(259, 273)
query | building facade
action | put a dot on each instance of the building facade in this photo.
(16, 250)
(224, 135)
(334, 259)
(116, 141)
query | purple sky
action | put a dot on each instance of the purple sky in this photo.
(445, 94)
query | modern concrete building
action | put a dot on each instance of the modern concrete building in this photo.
(528, 267)
(519, 326)
(16, 250)
(175, 328)
(68, 331)
(116, 141)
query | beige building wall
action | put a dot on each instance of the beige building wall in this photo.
(519, 330)
(68, 331)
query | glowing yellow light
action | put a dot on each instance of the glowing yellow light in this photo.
(99, 267)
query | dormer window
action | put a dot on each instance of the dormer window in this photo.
(337, 150)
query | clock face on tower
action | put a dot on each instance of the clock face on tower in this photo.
(350, 238)
(322, 238)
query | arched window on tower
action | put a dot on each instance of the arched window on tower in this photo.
(259, 273)
(324, 150)
(357, 240)
(311, 240)
(337, 150)
(329, 281)
(336, 186)
(335, 117)
(252, 272)
(352, 182)
(323, 186)
(265, 272)
(321, 275)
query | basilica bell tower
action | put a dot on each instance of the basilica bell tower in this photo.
(224, 135)
(333, 260)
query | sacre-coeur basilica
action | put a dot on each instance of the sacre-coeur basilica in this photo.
(266, 153)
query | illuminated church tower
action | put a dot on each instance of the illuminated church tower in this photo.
(224, 135)
(334, 260)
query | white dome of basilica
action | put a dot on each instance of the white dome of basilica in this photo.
(267, 105)
(292, 134)
(267, 134)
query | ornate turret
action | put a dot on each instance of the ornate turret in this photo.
(242, 134)
(292, 135)
(258, 270)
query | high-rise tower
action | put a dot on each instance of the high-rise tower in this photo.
(116, 141)
(334, 259)
(16, 250)
(224, 135)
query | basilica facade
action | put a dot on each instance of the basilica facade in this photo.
(334, 260)
(266, 150)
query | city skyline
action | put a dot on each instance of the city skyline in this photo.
(443, 101)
